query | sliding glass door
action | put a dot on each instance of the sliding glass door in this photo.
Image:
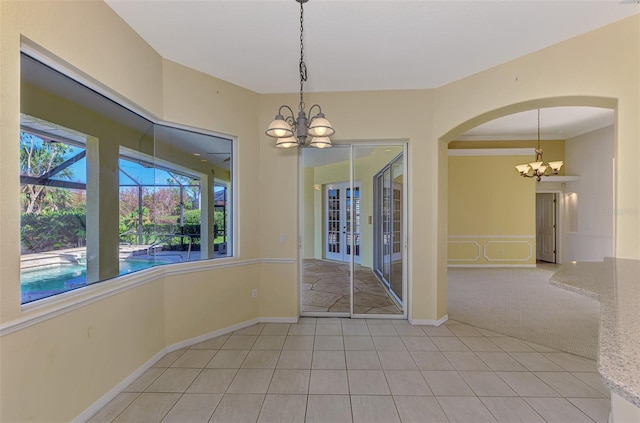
(340, 240)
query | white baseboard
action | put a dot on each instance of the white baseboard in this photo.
(278, 320)
(428, 322)
(106, 398)
(480, 266)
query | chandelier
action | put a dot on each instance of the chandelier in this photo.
(539, 168)
(293, 132)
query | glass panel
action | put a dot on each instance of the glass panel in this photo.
(397, 179)
(79, 152)
(325, 190)
(374, 230)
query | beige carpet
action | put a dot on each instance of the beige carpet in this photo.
(522, 304)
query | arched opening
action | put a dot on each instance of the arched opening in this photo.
(494, 277)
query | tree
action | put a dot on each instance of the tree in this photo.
(37, 157)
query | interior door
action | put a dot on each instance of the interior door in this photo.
(546, 227)
(342, 224)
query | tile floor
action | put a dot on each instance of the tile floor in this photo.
(327, 287)
(341, 370)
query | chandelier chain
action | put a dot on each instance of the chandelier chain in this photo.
(302, 65)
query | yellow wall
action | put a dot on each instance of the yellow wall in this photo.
(70, 360)
(491, 212)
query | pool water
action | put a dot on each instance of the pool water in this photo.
(48, 281)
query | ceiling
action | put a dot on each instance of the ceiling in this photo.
(363, 44)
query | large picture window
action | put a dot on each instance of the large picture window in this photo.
(105, 191)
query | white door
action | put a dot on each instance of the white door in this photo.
(340, 242)
(546, 227)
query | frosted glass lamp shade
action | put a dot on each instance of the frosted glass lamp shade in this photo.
(320, 127)
(279, 128)
(523, 168)
(320, 142)
(542, 169)
(556, 165)
(286, 142)
(535, 165)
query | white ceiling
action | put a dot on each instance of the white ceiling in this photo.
(359, 44)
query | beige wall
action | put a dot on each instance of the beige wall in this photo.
(70, 360)
(491, 212)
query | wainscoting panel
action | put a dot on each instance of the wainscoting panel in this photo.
(491, 250)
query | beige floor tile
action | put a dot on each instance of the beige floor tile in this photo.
(373, 409)
(290, 382)
(500, 361)
(328, 382)
(239, 342)
(396, 360)
(419, 343)
(511, 344)
(356, 330)
(329, 360)
(382, 330)
(269, 342)
(328, 343)
(536, 362)
(363, 360)
(211, 344)
(557, 410)
(283, 409)
(307, 320)
(328, 320)
(113, 408)
(258, 359)
(478, 343)
(403, 382)
(300, 360)
(328, 409)
(464, 330)
(250, 330)
(414, 409)
(298, 343)
(405, 329)
(447, 383)
(527, 384)
(302, 329)
(228, 359)
(487, 384)
(596, 408)
(148, 407)
(212, 381)
(174, 380)
(511, 409)
(367, 382)
(541, 348)
(363, 343)
(489, 333)
(146, 379)
(275, 329)
(238, 408)
(465, 361)
(593, 380)
(168, 359)
(430, 360)
(465, 410)
(324, 330)
(196, 359)
(436, 331)
(251, 381)
(449, 343)
(572, 363)
(568, 385)
(388, 343)
(193, 408)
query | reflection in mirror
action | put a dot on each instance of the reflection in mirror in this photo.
(80, 154)
(338, 229)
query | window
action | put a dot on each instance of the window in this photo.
(105, 191)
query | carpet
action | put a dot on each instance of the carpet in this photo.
(522, 304)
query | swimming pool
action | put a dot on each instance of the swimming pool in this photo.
(47, 281)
